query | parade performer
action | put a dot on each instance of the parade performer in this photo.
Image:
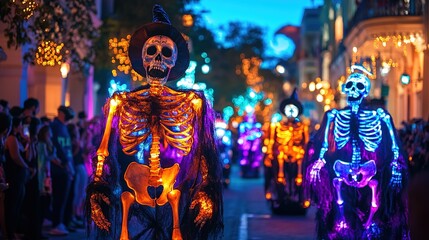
(357, 170)
(173, 188)
(224, 146)
(285, 145)
(249, 144)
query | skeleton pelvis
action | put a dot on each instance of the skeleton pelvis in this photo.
(138, 179)
(356, 175)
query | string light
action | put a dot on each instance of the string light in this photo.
(49, 53)
(120, 58)
(25, 8)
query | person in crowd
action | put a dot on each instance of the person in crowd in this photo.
(45, 120)
(5, 126)
(31, 107)
(17, 172)
(46, 156)
(61, 173)
(31, 206)
(81, 122)
(16, 112)
(80, 179)
(4, 106)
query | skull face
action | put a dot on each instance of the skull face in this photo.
(291, 111)
(159, 56)
(356, 88)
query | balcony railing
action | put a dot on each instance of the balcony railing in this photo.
(369, 9)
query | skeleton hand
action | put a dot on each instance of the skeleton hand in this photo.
(396, 180)
(99, 201)
(315, 170)
(205, 208)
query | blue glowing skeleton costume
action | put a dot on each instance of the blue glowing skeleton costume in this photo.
(356, 171)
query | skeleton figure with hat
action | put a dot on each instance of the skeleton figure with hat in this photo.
(174, 190)
(285, 143)
(357, 170)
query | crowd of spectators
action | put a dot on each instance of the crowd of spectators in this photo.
(44, 170)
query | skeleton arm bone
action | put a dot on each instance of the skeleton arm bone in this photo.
(387, 120)
(98, 195)
(396, 179)
(320, 162)
(102, 151)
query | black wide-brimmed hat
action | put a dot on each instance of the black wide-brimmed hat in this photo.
(160, 26)
(293, 99)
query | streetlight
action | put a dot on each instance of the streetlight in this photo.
(65, 69)
(405, 80)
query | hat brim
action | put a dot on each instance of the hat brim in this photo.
(142, 34)
(292, 101)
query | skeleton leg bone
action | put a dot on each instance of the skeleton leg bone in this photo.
(298, 179)
(280, 174)
(341, 223)
(374, 205)
(127, 199)
(173, 199)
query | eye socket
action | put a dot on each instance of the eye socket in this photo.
(167, 52)
(360, 86)
(151, 50)
(349, 85)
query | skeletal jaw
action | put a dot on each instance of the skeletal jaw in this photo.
(157, 70)
(355, 98)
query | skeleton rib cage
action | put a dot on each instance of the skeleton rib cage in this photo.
(173, 118)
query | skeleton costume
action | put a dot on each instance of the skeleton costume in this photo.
(285, 147)
(174, 190)
(249, 144)
(357, 171)
(224, 146)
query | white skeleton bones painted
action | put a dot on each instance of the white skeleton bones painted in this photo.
(358, 172)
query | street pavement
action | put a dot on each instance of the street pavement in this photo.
(247, 215)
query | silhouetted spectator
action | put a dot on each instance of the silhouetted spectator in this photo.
(80, 179)
(31, 206)
(5, 126)
(16, 111)
(4, 106)
(45, 120)
(62, 174)
(17, 172)
(31, 107)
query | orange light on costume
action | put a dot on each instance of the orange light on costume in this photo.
(268, 195)
(140, 177)
(187, 20)
(306, 204)
(298, 180)
(205, 207)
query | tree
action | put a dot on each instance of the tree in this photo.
(65, 27)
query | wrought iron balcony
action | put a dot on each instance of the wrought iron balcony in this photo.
(369, 9)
